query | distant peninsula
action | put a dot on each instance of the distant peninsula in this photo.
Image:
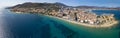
(79, 15)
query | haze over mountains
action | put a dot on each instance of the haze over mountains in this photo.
(30, 4)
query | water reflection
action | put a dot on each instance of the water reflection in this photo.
(39, 26)
(34, 26)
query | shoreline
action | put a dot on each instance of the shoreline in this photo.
(88, 25)
(112, 23)
(84, 24)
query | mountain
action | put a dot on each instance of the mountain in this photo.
(96, 7)
(58, 5)
(38, 5)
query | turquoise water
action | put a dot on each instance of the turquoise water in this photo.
(40, 26)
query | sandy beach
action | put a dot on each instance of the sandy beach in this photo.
(112, 23)
(108, 24)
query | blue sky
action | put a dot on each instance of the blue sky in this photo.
(107, 3)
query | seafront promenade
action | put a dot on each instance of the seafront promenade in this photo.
(108, 24)
(71, 14)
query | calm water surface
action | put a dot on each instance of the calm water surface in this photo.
(15, 25)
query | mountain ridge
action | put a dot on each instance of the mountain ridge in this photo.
(46, 5)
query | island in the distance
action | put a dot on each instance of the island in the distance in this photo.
(77, 15)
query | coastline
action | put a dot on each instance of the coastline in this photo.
(87, 25)
(84, 24)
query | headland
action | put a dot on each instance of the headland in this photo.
(71, 14)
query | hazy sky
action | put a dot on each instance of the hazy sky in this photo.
(107, 3)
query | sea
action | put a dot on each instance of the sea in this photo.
(25, 25)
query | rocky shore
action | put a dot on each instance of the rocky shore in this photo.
(71, 14)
